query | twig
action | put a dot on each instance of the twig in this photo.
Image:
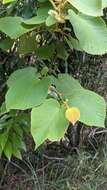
(52, 158)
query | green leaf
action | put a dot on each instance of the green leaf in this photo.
(27, 44)
(92, 107)
(8, 150)
(88, 31)
(42, 1)
(3, 139)
(44, 71)
(36, 20)
(13, 27)
(43, 10)
(7, 1)
(61, 51)
(65, 84)
(3, 109)
(0, 151)
(25, 90)
(22, 74)
(17, 140)
(46, 52)
(88, 7)
(42, 14)
(48, 122)
(6, 44)
(50, 20)
(73, 43)
(17, 154)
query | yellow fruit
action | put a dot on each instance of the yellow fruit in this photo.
(72, 114)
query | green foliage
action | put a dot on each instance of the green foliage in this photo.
(26, 90)
(14, 27)
(85, 27)
(92, 106)
(45, 33)
(48, 122)
(12, 129)
(7, 1)
(27, 44)
(85, 18)
(89, 7)
(46, 52)
(6, 44)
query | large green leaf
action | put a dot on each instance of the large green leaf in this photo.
(26, 90)
(48, 122)
(92, 106)
(88, 7)
(22, 74)
(13, 27)
(65, 84)
(90, 31)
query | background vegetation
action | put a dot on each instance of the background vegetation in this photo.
(79, 160)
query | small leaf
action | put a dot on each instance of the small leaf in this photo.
(8, 150)
(3, 139)
(72, 114)
(42, 14)
(61, 51)
(3, 109)
(44, 71)
(50, 21)
(73, 43)
(17, 154)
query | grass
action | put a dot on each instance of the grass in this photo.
(82, 171)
